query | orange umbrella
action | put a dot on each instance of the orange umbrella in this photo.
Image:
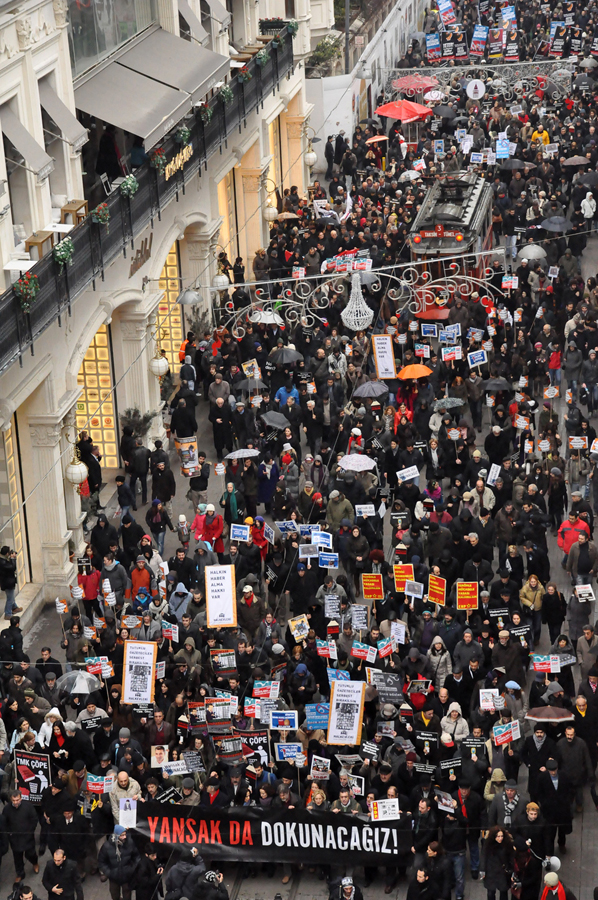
(414, 371)
(405, 110)
(376, 138)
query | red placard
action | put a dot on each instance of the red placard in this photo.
(372, 587)
(403, 573)
(467, 595)
(437, 590)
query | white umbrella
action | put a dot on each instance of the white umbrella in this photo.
(242, 454)
(410, 175)
(78, 682)
(266, 317)
(532, 251)
(355, 462)
(434, 95)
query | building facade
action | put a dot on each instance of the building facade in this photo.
(134, 76)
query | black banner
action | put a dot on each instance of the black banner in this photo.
(575, 40)
(594, 47)
(448, 45)
(264, 835)
(460, 44)
(557, 45)
(512, 48)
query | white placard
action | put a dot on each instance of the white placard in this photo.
(494, 473)
(384, 359)
(138, 671)
(346, 712)
(367, 509)
(384, 809)
(221, 603)
(408, 474)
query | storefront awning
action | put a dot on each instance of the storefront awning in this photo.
(148, 87)
(36, 158)
(72, 130)
(197, 29)
(220, 13)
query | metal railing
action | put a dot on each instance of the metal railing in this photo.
(96, 245)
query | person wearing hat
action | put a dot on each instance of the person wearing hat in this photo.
(338, 508)
(511, 655)
(556, 796)
(250, 611)
(190, 796)
(507, 807)
(117, 861)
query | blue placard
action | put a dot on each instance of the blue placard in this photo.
(428, 329)
(316, 715)
(446, 337)
(306, 530)
(337, 675)
(287, 751)
(502, 149)
(438, 146)
(284, 719)
(454, 329)
(239, 532)
(328, 560)
(477, 358)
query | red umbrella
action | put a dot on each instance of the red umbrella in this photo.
(376, 139)
(414, 84)
(405, 110)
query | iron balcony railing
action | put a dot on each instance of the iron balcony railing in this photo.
(96, 245)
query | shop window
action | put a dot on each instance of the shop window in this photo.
(96, 411)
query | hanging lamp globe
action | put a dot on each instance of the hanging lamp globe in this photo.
(158, 366)
(220, 282)
(76, 472)
(188, 297)
(311, 157)
(270, 211)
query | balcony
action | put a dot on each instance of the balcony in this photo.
(97, 246)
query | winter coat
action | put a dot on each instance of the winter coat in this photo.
(497, 863)
(464, 653)
(290, 473)
(573, 558)
(337, 510)
(118, 579)
(585, 657)
(440, 664)
(103, 536)
(572, 364)
(578, 615)
(266, 482)
(574, 760)
(249, 617)
(511, 657)
(531, 598)
(182, 879)
(212, 532)
(65, 876)
(20, 824)
(458, 728)
(118, 793)
(118, 860)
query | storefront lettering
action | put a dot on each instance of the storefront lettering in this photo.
(142, 255)
(178, 161)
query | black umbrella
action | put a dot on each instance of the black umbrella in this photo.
(371, 389)
(590, 178)
(511, 164)
(250, 384)
(284, 355)
(460, 120)
(496, 384)
(275, 420)
(446, 112)
(369, 121)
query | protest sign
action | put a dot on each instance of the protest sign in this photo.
(138, 671)
(100, 784)
(346, 712)
(384, 360)
(221, 601)
(402, 573)
(437, 589)
(317, 715)
(320, 768)
(239, 532)
(33, 774)
(382, 810)
(372, 586)
(299, 626)
(504, 734)
(328, 560)
(284, 719)
(467, 595)
(223, 661)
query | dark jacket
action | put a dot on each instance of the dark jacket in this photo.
(118, 863)
(163, 485)
(65, 876)
(20, 824)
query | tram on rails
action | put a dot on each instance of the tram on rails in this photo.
(455, 218)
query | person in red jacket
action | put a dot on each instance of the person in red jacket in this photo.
(212, 529)
(141, 577)
(569, 532)
(259, 539)
(90, 584)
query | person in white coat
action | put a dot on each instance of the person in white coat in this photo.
(588, 209)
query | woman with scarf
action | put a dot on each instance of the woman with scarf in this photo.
(530, 833)
(233, 504)
(268, 474)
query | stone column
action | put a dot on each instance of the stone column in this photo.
(168, 15)
(50, 505)
(296, 144)
(139, 388)
(72, 498)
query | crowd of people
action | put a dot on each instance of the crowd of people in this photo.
(316, 440)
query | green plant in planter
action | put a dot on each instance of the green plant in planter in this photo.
(292, 27)
(129, 186)
(225, 94)
(63, 252)
(244, 75)
(158, 160)
(26, 289)
(183, 135)
(205, 113)
(277, 41)
(139, 422)
(262, 58)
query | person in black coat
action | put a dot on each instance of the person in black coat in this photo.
(535, 753)
(148, 877)
(183, 877)
(556, 792)
(211, 887)
(61, 872)
(183, 422)
(498, 861)
(102, 535)
(221, 418)
(19, 821)
(119, 864)
(530, 831)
